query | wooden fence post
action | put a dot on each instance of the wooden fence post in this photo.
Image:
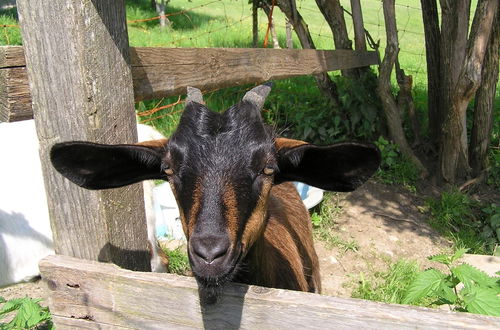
(78, 64)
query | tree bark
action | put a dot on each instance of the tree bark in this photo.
(160, 9)
(255, 24)
(484, 101)
(334, 15)
(453, 156)
(433, 55)
(289, 40)
(325, 84)
(359, 27)
(394, 122)
(404, 101)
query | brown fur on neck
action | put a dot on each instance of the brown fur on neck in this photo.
(284, 256)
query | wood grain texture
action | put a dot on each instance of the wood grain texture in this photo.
(81, 89)
(15, 98)
(94, 295)
(161, 72)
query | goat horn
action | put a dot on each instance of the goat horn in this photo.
(194, 95)
(257, 95)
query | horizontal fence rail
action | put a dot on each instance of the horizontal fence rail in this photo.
(90, 294)
(162, 72)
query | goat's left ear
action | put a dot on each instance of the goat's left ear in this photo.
(337, 167)
(101, 166)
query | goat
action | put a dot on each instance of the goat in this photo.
(243, 219)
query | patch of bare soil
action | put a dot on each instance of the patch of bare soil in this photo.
(34, 289)
(387, 225)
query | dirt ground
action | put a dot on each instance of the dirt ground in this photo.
(384, 221)
(387, 224)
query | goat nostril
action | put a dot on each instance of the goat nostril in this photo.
(210, 251)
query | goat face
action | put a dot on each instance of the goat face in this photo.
(221, 168)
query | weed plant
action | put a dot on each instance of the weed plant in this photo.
(466, 222)
(388, 286)
(395, 168)
(178, 262)
(28, 314)
(464, 288)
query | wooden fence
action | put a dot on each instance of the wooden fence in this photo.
(83, 80)
(160, 72)
(89, 294)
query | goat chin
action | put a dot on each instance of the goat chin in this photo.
(24, 218)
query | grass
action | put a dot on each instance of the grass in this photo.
(456, 216)
(178, 262)
(388, 286)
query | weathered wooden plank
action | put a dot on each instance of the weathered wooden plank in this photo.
(94, 295)
(160, 72)
(11, 56)
(15, 98)
(81, 87)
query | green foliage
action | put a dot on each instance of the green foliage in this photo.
(493, 178)
(28, 314)
(395, 167)
(461, 219)
(360, 115)
(178, 262)
(388, 286)
(491, 228)
(465, 287)
(10, 33)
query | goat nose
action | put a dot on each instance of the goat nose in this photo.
(210, 248)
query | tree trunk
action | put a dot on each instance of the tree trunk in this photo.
(255, 24)
(394, 122)
(453, 156)
(289, 40)
(325, 84)
(433, 55)
(484, 101)
(160, 9)
(404, 101)
(334, 15)
(359, 27)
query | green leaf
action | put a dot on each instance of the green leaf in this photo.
(425, 284)
(481, 301)
(458, 254)
(441, 258)
(495, 221)
(471, 276)
(445, 291)
(11, 305)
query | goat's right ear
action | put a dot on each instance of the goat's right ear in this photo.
(101, 166)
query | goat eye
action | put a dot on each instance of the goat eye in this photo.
(268, 171)
(167, 169)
